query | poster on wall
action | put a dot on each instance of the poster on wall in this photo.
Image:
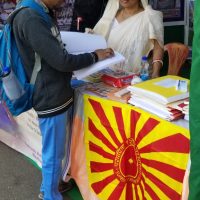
(6, 7)
(173, 10)
(64, 15)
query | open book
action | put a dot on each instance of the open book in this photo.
(77, 43)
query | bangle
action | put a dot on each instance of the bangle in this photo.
(157, 60)
(94, 57)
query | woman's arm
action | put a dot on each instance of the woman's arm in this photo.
(157, 62)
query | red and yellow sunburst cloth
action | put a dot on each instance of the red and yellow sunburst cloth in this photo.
(132, 154)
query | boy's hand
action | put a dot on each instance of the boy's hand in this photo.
(104, 53)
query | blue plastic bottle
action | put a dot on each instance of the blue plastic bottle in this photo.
(144, 73)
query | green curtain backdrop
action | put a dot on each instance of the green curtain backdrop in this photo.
(194, 180)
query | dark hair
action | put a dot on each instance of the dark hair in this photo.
(140, 4)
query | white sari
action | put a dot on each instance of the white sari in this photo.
(132, 37)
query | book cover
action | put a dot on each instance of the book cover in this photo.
(179, 105)
(100, 89)
(117, 79)
(118, 95)
(162, 90)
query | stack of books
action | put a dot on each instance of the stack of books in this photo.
(156, 95)
(186, 110)
(183, 106)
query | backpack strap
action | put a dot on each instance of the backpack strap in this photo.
(37, 67)
(12, 15)
(42, 11)
(38, 7)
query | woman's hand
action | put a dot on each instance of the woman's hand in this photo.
(157, 60)
(89, 30)
(155, 75)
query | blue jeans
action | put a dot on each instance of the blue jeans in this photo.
(53, 130)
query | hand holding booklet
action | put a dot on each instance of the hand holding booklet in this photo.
(77, 43)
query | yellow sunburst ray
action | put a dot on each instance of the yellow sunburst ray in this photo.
(142, 185)
(155, 188)
(93, 156)
(112, 119)
(90, 137)
(139, 192)
(161, 132)
(173, 184)
(126, 123)
(96, 177)
(90, 113)
(100, 128)
(142, 120)
(108, 189)
(178, 160)
(147, 196)
(135, 190)
(123, 195)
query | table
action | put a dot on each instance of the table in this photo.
(97, 164)
(95, 176)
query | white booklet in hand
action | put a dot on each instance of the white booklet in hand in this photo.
(77, 43)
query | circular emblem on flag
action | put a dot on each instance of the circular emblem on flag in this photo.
(127, 162)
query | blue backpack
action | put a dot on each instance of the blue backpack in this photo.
(10, 59)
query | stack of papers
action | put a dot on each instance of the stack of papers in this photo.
(157, 95)
(186, 110)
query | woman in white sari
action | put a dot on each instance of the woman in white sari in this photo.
(133, 28)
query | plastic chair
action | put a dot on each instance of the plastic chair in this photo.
(177, 54)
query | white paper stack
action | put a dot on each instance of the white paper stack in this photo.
(162, 111)
(186, 110)
(76, 43)
(156, 95)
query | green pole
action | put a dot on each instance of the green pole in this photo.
(194, 179)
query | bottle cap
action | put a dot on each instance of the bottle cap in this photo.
(144, 77)
(144, 58)
(6, 70)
